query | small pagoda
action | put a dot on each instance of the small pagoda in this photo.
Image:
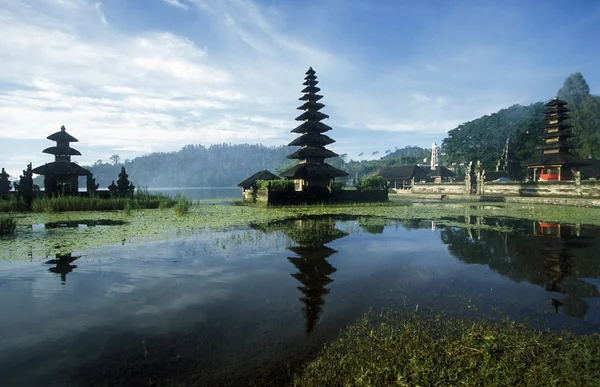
(556, 161)
(312, 173)
(62, 175)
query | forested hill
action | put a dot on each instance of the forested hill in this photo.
(484, 138)
(221, 165)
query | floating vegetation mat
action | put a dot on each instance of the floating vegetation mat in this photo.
(157, 224)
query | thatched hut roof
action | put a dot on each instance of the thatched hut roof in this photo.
(260, 175)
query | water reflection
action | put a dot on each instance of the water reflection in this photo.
(62, 265)
(311, 235)
(554, 256)
(77, 224)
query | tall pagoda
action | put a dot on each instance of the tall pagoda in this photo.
(556, 161)
(312, 172)
(61, 175)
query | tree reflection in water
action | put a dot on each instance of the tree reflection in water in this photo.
(547, 254)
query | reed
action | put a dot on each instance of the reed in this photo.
(75, 203)
(8, 224)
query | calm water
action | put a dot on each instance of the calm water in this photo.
(230, 308)
(226, 194)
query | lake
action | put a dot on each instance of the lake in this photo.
(247, 306)
(225, 194)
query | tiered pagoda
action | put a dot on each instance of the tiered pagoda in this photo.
(312, 172)
(62, 175)
(556, 161)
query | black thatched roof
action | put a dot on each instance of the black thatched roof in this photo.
(61, 168)
(310, 81)
(556, 159)
(260, 175)
(562, 145)
(311, 105)
(563, 133)
(311, 89)
(62, 136)
(493, 175)
(305, 170)
(557, 108)
(316, 252)
(62, 151)
(310, 152)
(441, 172)
(312, 138)
(310, 97)
(556, 102)
(311, 126)
(559, 125)
(403, 172)
(310, 71)
(312, 115)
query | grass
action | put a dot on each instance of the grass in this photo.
(8, 224)
(13, 204)
(426, 349)
(140, 200)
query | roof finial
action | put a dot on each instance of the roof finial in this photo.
(555, 97)
(62, 128)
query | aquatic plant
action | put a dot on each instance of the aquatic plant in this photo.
(8, 224)
(160, 224)
(398, 348)
(95, 203)
(183, 205)
(13, 204)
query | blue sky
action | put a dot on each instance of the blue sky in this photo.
(137, 76)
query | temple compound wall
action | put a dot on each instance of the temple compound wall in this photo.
(566, 188)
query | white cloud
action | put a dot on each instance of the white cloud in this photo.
(176, 3)
(98, 6)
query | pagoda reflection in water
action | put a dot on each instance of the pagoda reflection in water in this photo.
(311, 235)
(311, 260)
(63, 265)
(560, 258)
(559, 243)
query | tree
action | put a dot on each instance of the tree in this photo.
(585, 115)
(115, 159)
(574, 89)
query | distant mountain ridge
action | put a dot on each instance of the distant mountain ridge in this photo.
(222, 165)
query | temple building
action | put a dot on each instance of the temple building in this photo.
(62, 175)
(556, 161)
(312, 172)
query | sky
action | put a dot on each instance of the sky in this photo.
(131, 77)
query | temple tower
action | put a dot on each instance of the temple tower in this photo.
(556, 160)
(312, 172)
(62, 175)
